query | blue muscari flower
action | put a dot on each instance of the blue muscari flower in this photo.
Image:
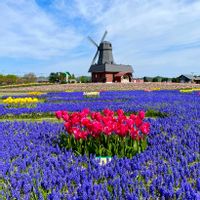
(198, 184)
(164, 155)
(54, 196)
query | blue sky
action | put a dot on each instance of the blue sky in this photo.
(157, 37)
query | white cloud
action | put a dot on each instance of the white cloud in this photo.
(152, 34)
(27, 31)
(155, 36)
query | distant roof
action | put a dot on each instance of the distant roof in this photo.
(110, 68)
(197, 79)
(189, 76)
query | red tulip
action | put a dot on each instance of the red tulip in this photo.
(85, 122)
(58, 114)
(134, 134)
(120, 112)
(107, 130)
(64, 112)
(122, 130)
(76, 133)
(108, 112)
(83, 135)
(138, 122)
(96, 128)
(133, 117)
(121, 119)
(130, 122)
(141, 115)
(65, 117)
(92, 115)
(86, 111)
(98, 116)
(68, 127)
(75, 119)
(145, 128)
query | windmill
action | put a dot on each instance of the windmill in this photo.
(105, 69)
(104, 51)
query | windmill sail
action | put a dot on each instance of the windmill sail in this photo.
(104, 35)
(95, 57)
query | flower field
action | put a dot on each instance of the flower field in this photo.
(91, 87)
(33, 164)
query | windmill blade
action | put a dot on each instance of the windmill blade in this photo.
(104, 35)
(95, 57)
(93, 42)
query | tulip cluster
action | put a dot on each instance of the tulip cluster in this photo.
(156, 89)
(34, 93)
(20, 102)
(105, 134)
(91, 94)
(189, 90)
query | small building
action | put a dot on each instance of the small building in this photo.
(108, 73)
(186, 78)
(197, 80)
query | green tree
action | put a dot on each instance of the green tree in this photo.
(30, 78)
(72, 76)
(84, 79)
(2, 79)
(155, 79)
(10, 79)
(53, 77)
(164, 79)
(175, 80)
(146, 79)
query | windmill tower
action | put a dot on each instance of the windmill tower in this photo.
(105, 70)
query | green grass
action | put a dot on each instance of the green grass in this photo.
(12, 93)
(39, 117)
(49, 119)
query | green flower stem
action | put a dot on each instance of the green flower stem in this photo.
(104, 145)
